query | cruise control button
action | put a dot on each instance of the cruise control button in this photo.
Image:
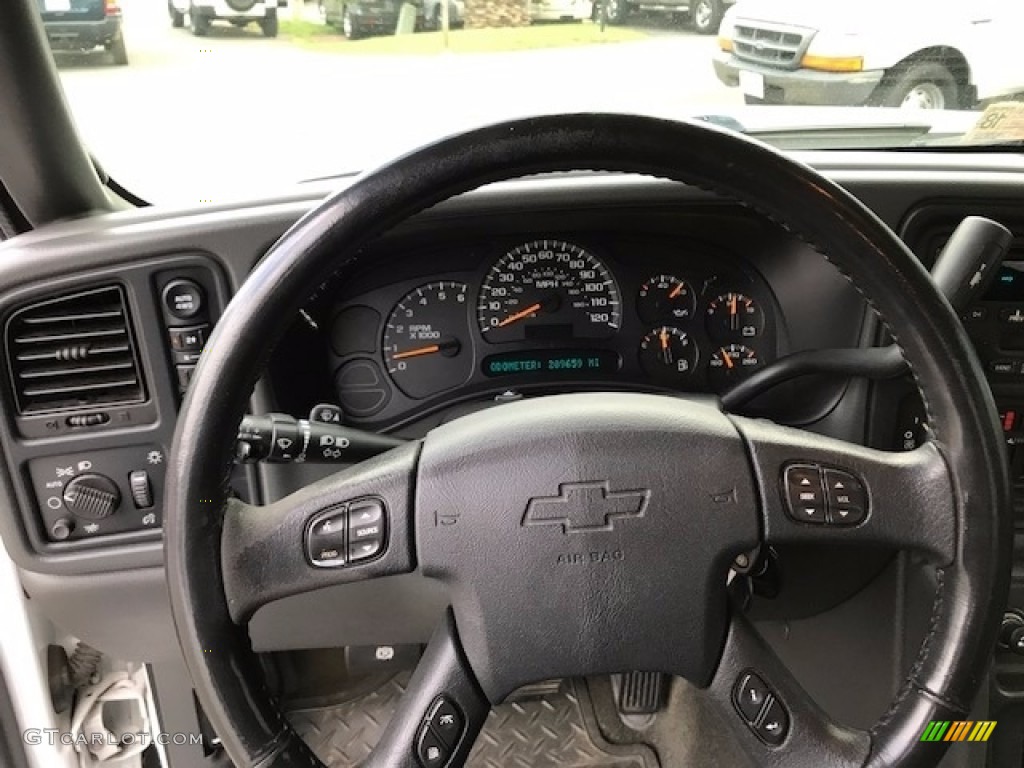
(775, 724)
(750, 696)
(431, 751)
(446, 721)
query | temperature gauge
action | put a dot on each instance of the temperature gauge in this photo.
(668, 355)
(734, 316)
(731, 363)
(665, 297)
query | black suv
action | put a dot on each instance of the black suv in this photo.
(82, 25)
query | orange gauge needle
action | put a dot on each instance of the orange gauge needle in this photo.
(732, 304)
(666, 351)
(417, 352)
(726, 359)
(519, 315)
(676, 291)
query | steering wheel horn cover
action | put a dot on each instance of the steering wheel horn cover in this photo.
(948, 499)
(596, 530)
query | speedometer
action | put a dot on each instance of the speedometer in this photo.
(548, 290)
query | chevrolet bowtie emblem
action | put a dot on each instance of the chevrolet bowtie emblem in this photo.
(586, 507)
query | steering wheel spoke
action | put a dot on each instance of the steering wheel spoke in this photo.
(774, 719)
(816, 488)
(443, 709)
(351, 526)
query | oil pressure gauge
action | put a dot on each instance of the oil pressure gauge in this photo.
(665, 297)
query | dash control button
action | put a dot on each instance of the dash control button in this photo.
(805, 500)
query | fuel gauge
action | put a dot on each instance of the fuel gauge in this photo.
(668, 355)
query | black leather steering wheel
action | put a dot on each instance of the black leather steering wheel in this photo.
(481, 503)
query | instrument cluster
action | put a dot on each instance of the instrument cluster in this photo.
(551, 314)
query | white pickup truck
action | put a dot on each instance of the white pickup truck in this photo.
(927, 54)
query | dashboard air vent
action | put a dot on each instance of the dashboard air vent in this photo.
(74, 351)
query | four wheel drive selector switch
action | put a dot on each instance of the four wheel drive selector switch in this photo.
(436, 739)
(823, 495)
(348, 534)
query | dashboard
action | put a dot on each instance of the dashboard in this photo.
(553, 284)
(521, 314)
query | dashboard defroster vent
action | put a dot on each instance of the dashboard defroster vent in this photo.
(74, 351)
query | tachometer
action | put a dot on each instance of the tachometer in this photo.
(425, 338)
(548, 289)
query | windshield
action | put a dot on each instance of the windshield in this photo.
(203, 101)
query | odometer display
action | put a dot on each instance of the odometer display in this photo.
(581, 363)
(548, 290)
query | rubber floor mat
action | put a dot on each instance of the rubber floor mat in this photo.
(556, 731)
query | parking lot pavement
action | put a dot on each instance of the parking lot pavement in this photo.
(234, 113)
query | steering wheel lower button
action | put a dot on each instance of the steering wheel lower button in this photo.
(750, 696)
(430, 750)
(774, 724)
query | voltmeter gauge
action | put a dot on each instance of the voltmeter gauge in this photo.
(734, 317)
